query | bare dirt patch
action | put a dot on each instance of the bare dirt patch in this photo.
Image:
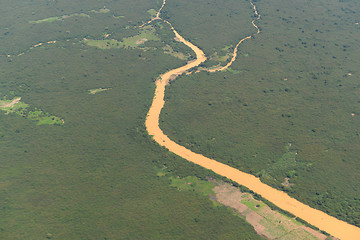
(286, 183)
(141, 41)
(266, 222)
(12, 103)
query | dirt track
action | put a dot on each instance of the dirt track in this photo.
(12, 103)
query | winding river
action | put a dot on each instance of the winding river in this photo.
(323, 221)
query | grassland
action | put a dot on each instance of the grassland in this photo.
(146, 33)
(14, 106)
(53, 19)
(97, 90)
(63, 17)
(294, 83)
(92, 178)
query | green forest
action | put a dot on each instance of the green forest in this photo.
(76, 161)
(94, 175)
(288, 110)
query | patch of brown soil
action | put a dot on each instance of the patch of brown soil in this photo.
(254, 219)
(286, 183)
(265, 221)
(12, 103)
(228, 196)
(315, 233)
(141, 41)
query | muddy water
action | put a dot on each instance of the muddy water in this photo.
(157, 17)
(234, 54)
(335, 227)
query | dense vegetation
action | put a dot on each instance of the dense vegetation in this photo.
(289, 109)
(212, 25)
(93, 177)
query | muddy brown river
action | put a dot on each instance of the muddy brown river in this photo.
(323, 221)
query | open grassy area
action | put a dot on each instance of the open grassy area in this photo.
(13, 105)
(63, 17)
(192, 183)
(97, 90)
(22, 109)
(267, 222)
(146, 33)
(152, 12)
(53, 19)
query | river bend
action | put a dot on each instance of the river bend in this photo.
(323, 221)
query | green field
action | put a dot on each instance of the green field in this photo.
(15, 106)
